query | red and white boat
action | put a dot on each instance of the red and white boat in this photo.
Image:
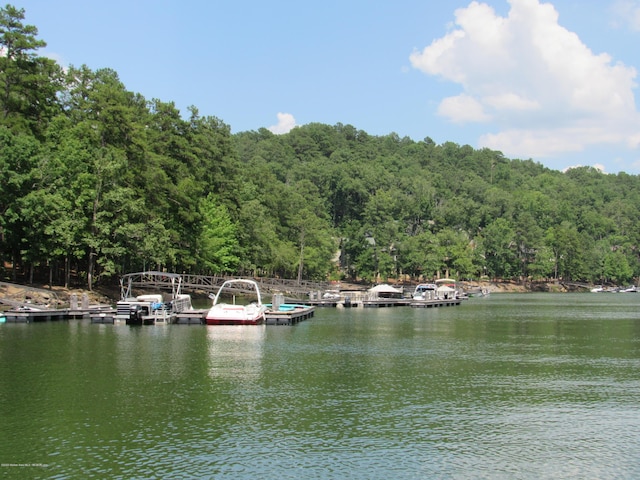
(222, 313)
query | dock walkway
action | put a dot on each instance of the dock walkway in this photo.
(366, 301)
(212, 283)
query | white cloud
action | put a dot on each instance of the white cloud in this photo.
(462, 109)
(285, 123)
(627, 12)
(544, 90)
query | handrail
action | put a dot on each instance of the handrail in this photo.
(212, 283)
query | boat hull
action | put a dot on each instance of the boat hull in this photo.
(234, 314)
(223, 314)
(228, 321)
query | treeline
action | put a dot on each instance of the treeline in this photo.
(97, 181)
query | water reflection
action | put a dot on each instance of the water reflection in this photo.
(235, 351)
(507, 387)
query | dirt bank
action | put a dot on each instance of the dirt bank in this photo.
(54, 297)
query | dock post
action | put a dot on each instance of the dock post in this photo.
(73, 301)
(278, 299)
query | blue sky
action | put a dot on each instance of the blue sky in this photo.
(551, 81)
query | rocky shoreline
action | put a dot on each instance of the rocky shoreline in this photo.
(54, 297)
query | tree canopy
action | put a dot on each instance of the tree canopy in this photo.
(98, 181)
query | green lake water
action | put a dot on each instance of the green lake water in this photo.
(513, 386)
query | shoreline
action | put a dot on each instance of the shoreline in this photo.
(58, 296)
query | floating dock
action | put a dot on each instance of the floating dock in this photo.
(33, 315)
(436, 303)
(289, 315)
(385, 302)
(104, 316)
(286, 314)
(25, 315)
(191, 317)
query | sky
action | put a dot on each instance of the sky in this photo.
(552, 81)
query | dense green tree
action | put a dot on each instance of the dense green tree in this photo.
(18, 159)
(615, 268)
(456, 250)
(29, 84)
(98, 180)
(498, 241)
(218, 246)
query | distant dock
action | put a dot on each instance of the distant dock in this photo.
(364, 301)
(437, 303)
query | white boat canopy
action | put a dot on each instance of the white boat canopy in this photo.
(384, 288)
(444, 288)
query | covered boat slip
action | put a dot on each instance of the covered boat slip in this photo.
(174, 307)
(276, 313)
(151, 309)
(282, 316)
(443, 293)
(224, 313)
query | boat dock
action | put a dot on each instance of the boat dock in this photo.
(436, 303)
(28, 315)
(289, 316)
(33, 315)
(190, 317)
(366, 302)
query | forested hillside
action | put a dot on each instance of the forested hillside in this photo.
(99, 181)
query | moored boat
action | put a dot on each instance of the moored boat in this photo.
(447, 288)
(151, 309)
(222, 313)
(425, 291)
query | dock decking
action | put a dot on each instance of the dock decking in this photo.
(102, 315)
(24, 316)
(386, 302)
(289, 317)
(191, 317)
(436, 303)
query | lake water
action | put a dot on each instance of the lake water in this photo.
(513, 386)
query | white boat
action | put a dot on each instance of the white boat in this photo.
(155, 308)
(447, 289)
(478, 292)
(425, 291)
(222, 313)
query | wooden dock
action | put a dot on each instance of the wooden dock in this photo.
(104, 315)
(436, 303)
(191, 317)
(197, 316)
(27, 316)
(386, 302)
(365, 302)
(289, 317)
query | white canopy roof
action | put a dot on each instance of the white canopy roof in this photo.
(444, 288)
(384, 288)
